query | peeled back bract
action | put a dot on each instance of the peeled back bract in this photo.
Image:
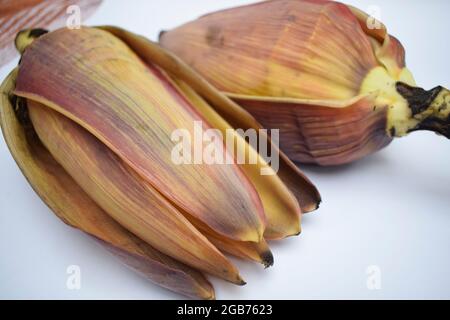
(326, 74)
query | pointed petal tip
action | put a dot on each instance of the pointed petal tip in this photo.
(239, 281)
(207, 294)
(296, 233)
(267, 259)
(212, 296)
(293, 229)
(312, 207)
(319, 202)
(299, 231)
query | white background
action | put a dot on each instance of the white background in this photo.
(391, 209)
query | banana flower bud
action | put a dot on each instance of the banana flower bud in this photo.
(327, 75)
(88, 116)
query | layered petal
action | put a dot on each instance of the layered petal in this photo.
(388, 50)
(324, 132)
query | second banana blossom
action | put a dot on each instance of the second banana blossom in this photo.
(87, 115)
(336, 87)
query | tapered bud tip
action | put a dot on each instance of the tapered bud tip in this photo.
(318, 203)
(209, 295)
(313, 205)
(298, 231)
(240, 281)
(25, 37)
(204, 290)
(267, 259)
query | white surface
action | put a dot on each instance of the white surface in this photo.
(391, 209)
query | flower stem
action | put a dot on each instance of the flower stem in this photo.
(431, 108)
